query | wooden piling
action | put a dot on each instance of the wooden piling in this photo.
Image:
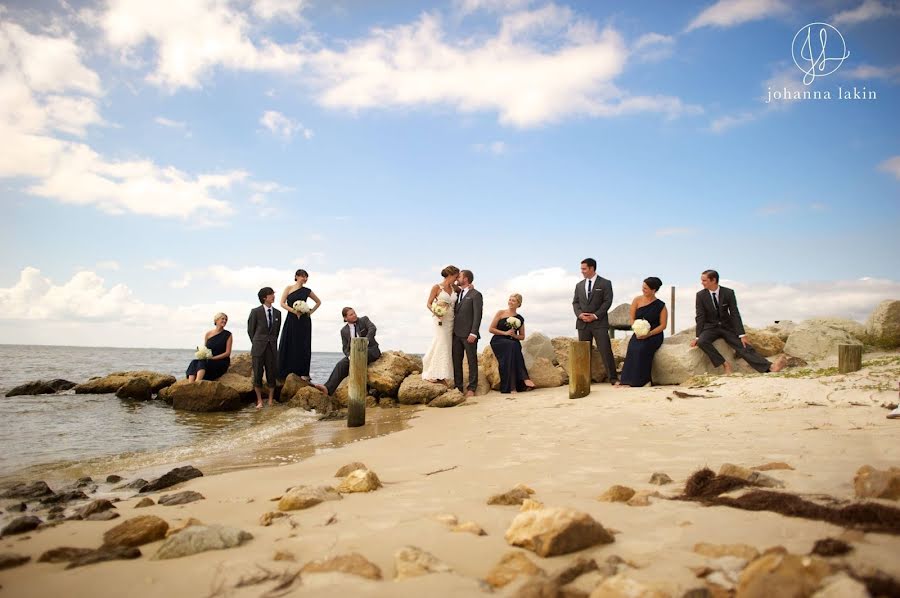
(359, 364)
(849, 358)
(579, 369)
(672, 312)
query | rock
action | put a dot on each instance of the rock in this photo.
(676, 362)
(114, 479)
(620, 315)
(883, 325)
(64, 497)
(266, 519)
(180, 498)
(292, 384)
(529, 504)
(814, 340)
(102, 516)
(782, 576)
(772, 466)
(134, 485)
(483, 386)
(753, 476)
(9, 560)
(741, 551)
(387, 372)
(311, 398)
(105, 553)
(243, 385)
(95, 506)
(241, 364)
(342, 393)
(411, 561)
(205, 396)
(166, 393)
(767, 344)
(136, 388)
(831, 547)
(191, 522)
(511, 497)
(284, 555)
(41, 387)
(31, 491)
(349, 468)
(511, 566)
(136, 531)
(352, 564)
(415, 391)
(17, 508)
(620, 586)
(144, 502)
(642, 498)
(489, 367)
(546, 375)
(537, 345)
(447, 519)
(201, 538)
(855, 329)
(735, 471)
(361, 480)
(617, 493)
(304, 497)
(561, 347)
(21, 525)
(450, 398)
(555, 531)
(660, 479)
(111, 383)
(172, 477)
(874, 483)
(64, 554)
(781, 329)
(841, 586)
(469, 527)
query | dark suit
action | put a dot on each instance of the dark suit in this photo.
(364, 328)
(598, 303)
(264, 344)
(724, 323)
(466, 321)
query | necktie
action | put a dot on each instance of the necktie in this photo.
(590, 280)
(269, 317)
(715, 301)
(353, 331)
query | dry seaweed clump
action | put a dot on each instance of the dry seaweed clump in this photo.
(705, 484)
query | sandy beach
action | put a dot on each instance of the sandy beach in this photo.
(568, 451)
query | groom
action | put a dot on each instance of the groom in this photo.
(263, 326)
(466, 323)
(592, 300)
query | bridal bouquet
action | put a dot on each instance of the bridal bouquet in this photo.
(641, 327)
(301, 307)
(439, 309)
(203, 353)
(514, 323)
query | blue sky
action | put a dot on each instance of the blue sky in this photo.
(164, 160)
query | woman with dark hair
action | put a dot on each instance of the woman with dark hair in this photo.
(508, 328)
(642, 348)
(218, 341)
(295, 351)
(437, 365)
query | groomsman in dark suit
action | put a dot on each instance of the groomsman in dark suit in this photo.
(355, 327)
(466, 322)
(593, 298)
(263, 326)
(718, 317)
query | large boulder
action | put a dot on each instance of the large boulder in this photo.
(817, 339)
(766, 343)
(243, 385)
(112, 382)
(241, 364)
(292, 384)
(311, 399)
(390, 370)
(546, 375)
(675, 362)
(620, 316)
(851, 327)
(166, 393)
(561, 347)
(170, 478)
(782, 329)
(41, 387)
(136, 388)
(555, 531)
(201, 538)
(489, 367)
(537, 345)
(451, 398)
(205, 396)
(136, 531)
(883, 325)
(415, 391)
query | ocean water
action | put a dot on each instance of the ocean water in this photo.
(65, 436)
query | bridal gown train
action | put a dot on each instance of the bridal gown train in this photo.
(438, 362)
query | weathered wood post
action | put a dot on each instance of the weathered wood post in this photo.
(672, 311)
(359, 365)
(849, 358)
(579, 369)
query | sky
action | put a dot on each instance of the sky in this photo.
(161, 161)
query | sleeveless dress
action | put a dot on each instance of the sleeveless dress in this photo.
(215, 368)
(639, 357)
(438, 362)
(508, 351)
(295, 349)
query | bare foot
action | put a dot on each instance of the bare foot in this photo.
(728, 369)
(321, 388)
(470, 393)
(528, 383)
(779, 364)
(259, 405)
(271, 403)
(618, 384)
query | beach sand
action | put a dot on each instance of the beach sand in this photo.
(568, 451)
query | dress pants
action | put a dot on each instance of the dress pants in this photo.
(268, 361)
(461, 345)
(705, 342)
(601, 337)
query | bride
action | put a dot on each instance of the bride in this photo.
(438, 363)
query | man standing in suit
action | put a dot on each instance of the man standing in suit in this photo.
(466, 322)
(718, 317)
(593, 298)
(263, 326)
(356, 327)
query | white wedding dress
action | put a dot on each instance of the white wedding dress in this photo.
(438, 362)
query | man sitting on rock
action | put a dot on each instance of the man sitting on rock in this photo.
(355, 327)
(718, 317)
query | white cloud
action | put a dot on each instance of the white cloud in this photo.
(497, 148)
(183, 282)
(466, 7)
(729, 121)
(287, 10)
(674, 231)
(891, 166)
(869, 10)
(651, 47)
(283, 126)
(107, 265)
(728, 13)
(172, 124)
(162, 264)
(866, 71)
(785, 81)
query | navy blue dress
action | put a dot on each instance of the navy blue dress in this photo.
(215, 368)
(639, 358)
(295, 351)
(508, 352)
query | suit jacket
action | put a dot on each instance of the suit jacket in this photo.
(727, 317)
(364, 327)
(598, 304)
(467, 319)
(261, 337)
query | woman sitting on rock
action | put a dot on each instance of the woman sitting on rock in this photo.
(508, 328)
(218, 341)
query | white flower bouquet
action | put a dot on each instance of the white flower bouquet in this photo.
(641, 327)
(203, 353)
(301, 307)
(439, 309)
(514, 323)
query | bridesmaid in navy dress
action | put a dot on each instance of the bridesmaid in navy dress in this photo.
(507, 346)
(641, 349)
(295, 352)
(218, 341)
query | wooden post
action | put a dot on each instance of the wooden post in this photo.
(849, 358)
(359, 364)
(672, 312)
(579, 369)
